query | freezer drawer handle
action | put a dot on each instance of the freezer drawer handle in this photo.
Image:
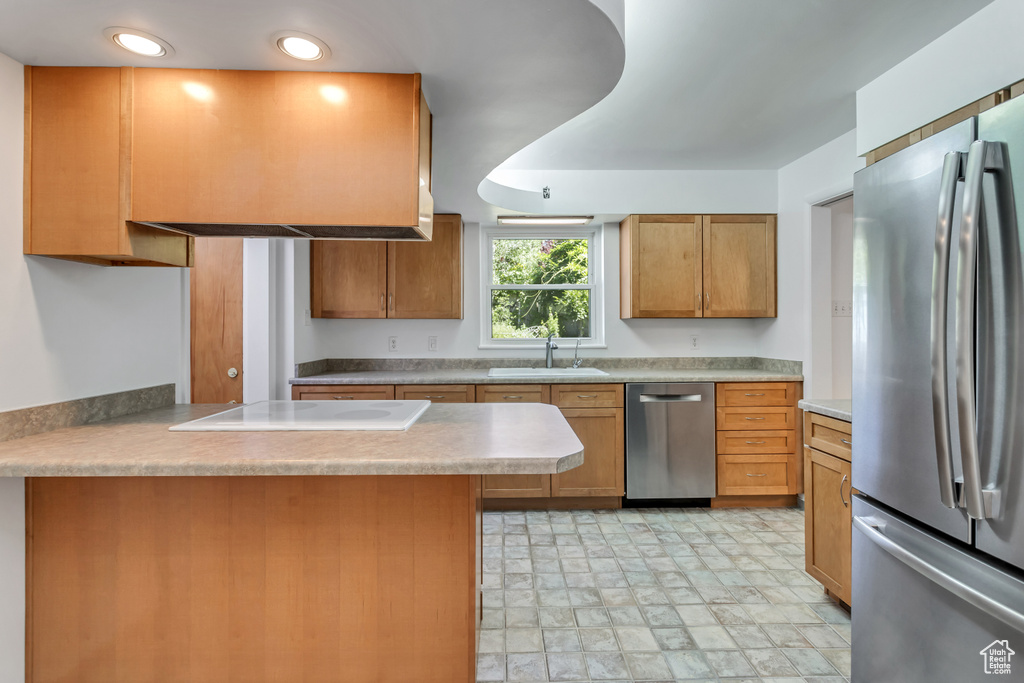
(874, 531)
(952, 173)
(670, 398)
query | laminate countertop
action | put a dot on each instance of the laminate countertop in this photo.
(479, 376)
(469, 438)
(839, 408)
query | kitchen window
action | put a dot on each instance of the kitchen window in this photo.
(540, 281)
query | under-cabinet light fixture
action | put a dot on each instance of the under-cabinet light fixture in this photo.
(544, 220)
(139, 42)
(301, 46)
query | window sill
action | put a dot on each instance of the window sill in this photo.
(541, 346)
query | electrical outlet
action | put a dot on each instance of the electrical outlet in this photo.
(392, 343)
(835, 309)
(846, 309)
(431, 343)
(309, 318)
(694, 343)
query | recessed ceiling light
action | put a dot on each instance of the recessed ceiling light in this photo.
(544, 220)
(139, 42)
(301, 46)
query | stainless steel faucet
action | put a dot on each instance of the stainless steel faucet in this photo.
(576, 360)
(551, 346)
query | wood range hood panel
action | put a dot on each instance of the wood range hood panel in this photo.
(282, 154)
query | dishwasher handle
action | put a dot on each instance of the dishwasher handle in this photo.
(670, 398)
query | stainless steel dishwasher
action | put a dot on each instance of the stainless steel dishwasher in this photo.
(670, 440)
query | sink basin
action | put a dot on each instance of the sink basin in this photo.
(546, 372)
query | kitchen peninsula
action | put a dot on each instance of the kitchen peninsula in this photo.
(258, 556)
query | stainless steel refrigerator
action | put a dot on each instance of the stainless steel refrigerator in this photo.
(938, 406)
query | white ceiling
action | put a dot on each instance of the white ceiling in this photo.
(707, 84)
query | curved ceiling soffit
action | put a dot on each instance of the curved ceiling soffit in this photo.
(498, 197)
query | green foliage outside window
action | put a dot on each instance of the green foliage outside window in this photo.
(536, 313)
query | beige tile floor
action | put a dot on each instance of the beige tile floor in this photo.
(656, 595)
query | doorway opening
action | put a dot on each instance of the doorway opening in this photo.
(832, 297)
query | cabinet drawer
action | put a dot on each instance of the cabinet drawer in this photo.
(775, 441)
(436, 393)
(756, 394)
(743, 419)
(754, 475)
(587, 395)
(829, 435)
(513, 393)
(343, 392)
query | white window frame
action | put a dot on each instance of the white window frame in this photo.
(595, 283)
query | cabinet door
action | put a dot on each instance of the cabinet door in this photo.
(348, 278)
(660, 265)
(602, 473)
(739, 266)
(515, 485)
(425, 278)
(828, 523)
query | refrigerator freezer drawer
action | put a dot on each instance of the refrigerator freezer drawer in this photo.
(926, 610)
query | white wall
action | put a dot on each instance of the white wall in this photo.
(842, 290)
(975, 58)
(824, 174)
(69, 330)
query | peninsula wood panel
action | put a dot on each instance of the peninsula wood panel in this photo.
(602, 473)
(660, 266)
(78, 162)
(343, 392)
(311, 148)
(216, 317)
(828, 525)
(739, 266)
(348, 279)
(425, 278)
(253, 579)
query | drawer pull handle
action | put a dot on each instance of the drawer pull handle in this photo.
(754, 418)
(512, 397)
(754, 443)
(586, 395)
(762, 474)
(433, 397)
(753, 394)
(846, 442)
(342, 398)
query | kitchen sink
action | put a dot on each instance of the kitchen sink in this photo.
(546, 372)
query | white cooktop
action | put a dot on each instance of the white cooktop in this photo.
(270, 416)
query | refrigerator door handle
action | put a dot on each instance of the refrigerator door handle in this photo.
(952, 172)
(874, 531)
(983, 157)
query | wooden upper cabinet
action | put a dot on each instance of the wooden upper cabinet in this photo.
(349, 279)
(739, 266)
(78, 172)
(279, 147)
(110, 150)
(660, 264)
(367, 279)
(687, 266)
(425, 278)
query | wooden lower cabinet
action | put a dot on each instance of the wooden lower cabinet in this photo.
(828, 522)
(343, 392)
(436, 393)
(515, 485)
(602, 473)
